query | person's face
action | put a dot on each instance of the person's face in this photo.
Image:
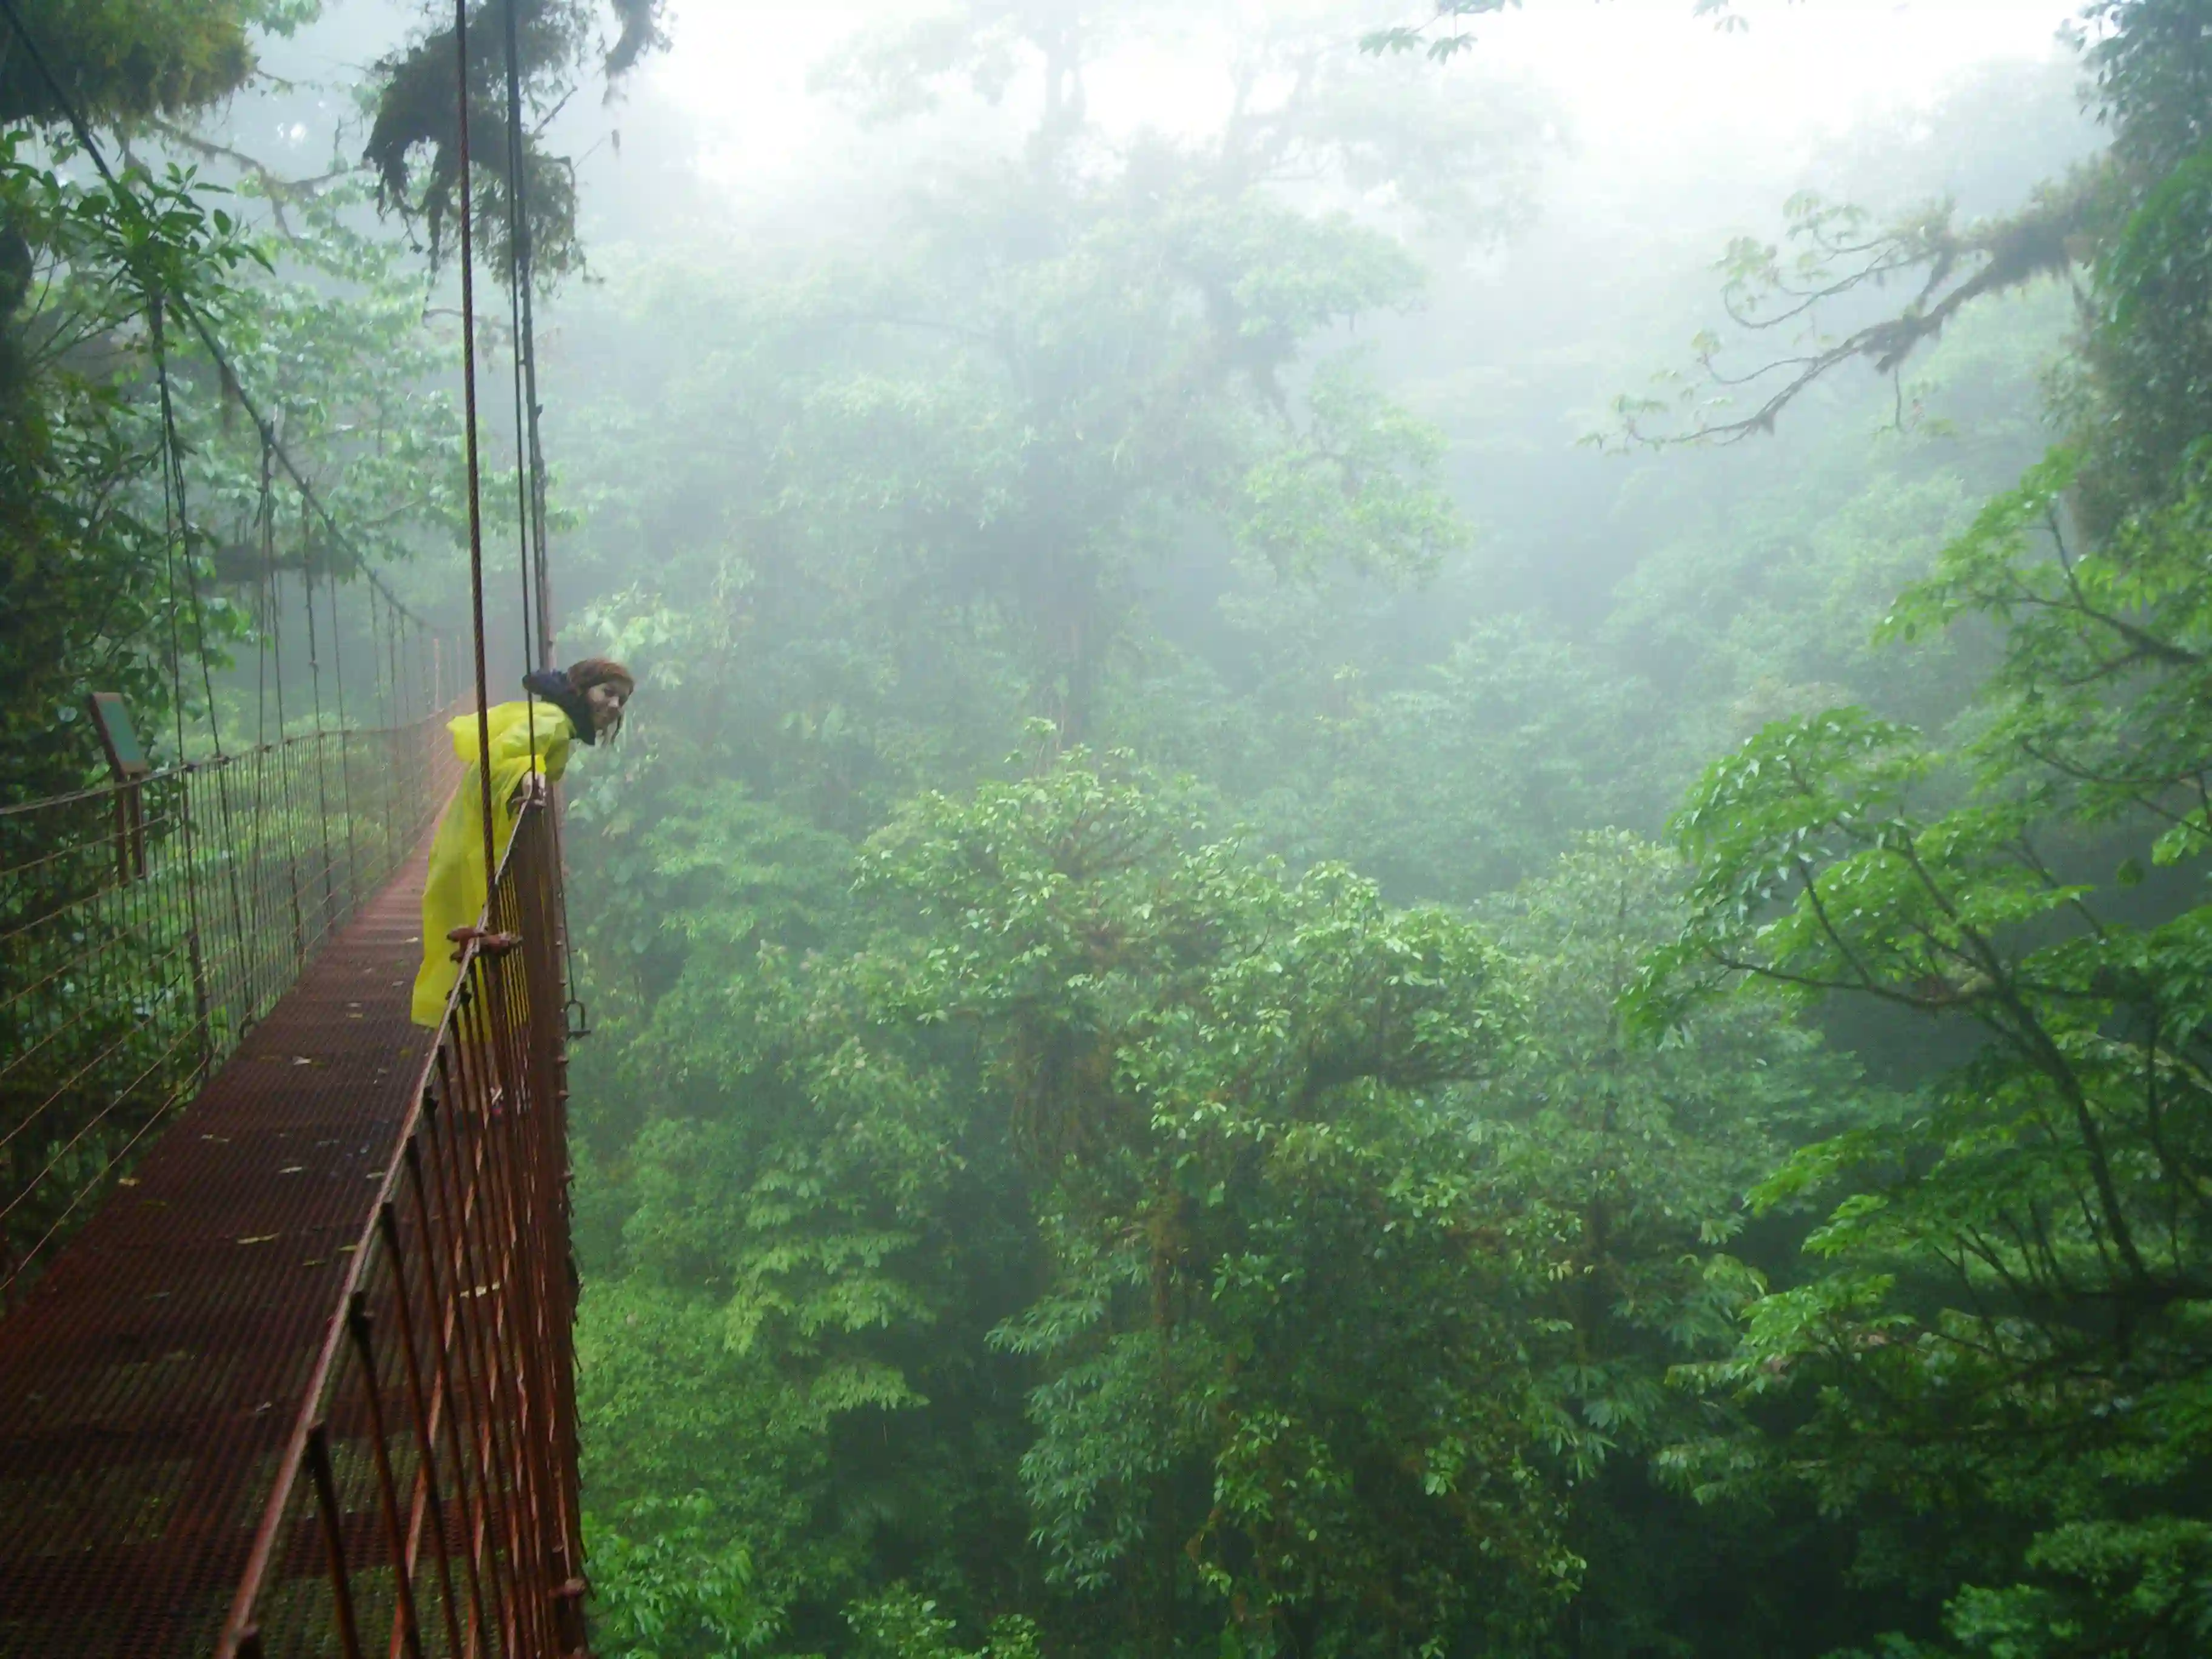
(606, 701)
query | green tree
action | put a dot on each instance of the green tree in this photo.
(2000, 1369)
(2129, 226)
(1132, 1126)
(525, 58)
(100, 584)
(2025, 1247)
(126, 60)
(1626, 1165)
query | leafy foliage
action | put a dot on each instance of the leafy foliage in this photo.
(2002, 1370)
(664, 1592)
(91, 589)
(119, 60)
(1226, 1095)
(415, 142)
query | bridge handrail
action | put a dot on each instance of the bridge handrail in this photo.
(232, 757)
(431, 1464)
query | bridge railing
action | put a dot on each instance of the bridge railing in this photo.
(426, 1504)
(146, 925)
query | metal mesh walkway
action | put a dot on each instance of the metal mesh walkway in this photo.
(148, 1383)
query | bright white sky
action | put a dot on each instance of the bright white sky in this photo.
(1640, 65)
(1623, 69)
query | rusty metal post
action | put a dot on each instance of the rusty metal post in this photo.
(359, 1326)
(429, 1504)
(333, 1519)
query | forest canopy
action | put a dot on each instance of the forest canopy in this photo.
(1395, 874)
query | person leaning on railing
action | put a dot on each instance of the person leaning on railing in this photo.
(533, 735)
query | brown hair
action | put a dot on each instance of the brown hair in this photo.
(589, 671)
(603, 670)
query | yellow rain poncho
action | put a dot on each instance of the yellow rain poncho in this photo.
(453, 893)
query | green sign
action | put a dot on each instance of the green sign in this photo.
(126, 755)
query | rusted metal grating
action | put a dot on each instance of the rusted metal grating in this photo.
(305, 1386)
(145, 925)
(147, 1381)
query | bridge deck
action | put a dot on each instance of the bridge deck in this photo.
(147, 1382)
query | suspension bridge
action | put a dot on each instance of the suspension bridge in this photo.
(285, 1289)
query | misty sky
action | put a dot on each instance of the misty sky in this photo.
(1624, 71)
(1653, 97)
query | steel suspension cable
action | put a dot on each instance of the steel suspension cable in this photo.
(522, 484)
(315, 680)
(530, 448)
(281, 762)
(176, 632)
(475, 474)
(383, 649)
(173, 527)
(529, 458)
(345, 741)
(518, 275)
(195, 965)
(393, 643)
(263, 501)
(275, 607)
(492, 1026)
(265, 758)
(177, 511)
(314, 639)
(378, 697)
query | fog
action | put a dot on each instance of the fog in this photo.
(1646, 93)
(1608, 153)
(1630, 140)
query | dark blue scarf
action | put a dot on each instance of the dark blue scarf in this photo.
(552, 684)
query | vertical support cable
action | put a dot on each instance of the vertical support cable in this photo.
(529, 457)
(196, 954)
(315, 677)
(538, 647)
(333, 1519)
(237, 981)
(262, 502)
(382, 770)
(345, 749)
(468, 402)
(172, 482)
(518, 278)
(264, 757)
(282, 757)
(276, 598)
(422, 1413)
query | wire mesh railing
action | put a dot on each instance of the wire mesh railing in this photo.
(146, 925)
(426, 1501)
